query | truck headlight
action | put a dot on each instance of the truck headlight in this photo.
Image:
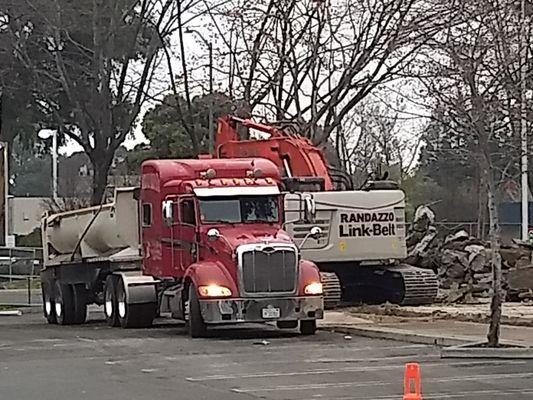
(313, 288)
(214, 291)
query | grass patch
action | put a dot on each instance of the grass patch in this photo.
(22, 284)
(8, 308)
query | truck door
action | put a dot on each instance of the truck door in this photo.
(188, 249)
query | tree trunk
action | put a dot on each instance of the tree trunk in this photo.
(101, 166)
(493, 335)
(482, 204)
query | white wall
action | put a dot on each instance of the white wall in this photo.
(25, 214)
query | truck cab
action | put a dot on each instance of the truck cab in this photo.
(212, 231)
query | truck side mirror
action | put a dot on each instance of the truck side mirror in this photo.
(316, 232)
(213, 234)
(168, 217)
(310, 208)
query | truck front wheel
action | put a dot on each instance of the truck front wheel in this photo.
(197, 326)
(308, 327)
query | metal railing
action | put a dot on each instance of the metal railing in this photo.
(20, 265)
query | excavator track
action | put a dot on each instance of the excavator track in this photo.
(420, 285)
(398, 284)
(331, 287)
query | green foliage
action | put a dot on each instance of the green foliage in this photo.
(85, 66)
(32, 239)
(31, 171)
(420, 190)
(163, 127)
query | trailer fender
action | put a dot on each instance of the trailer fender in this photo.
(308, 273)
(209, 273)
(140, 289)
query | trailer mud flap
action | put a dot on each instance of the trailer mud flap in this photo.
(140, 289)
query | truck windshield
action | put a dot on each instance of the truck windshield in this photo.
(239, 209)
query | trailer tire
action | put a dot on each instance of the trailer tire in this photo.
(287, 324)
(197, 326)
(80, 304)
(48, 303)
(110, 301)
(64, 304)
(133, 315)
(308, 327)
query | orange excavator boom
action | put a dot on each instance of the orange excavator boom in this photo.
(296, 156)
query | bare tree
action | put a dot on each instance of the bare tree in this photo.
(472, 82)
(100, 58)
(314, 61)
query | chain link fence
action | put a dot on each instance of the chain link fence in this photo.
(509, 231)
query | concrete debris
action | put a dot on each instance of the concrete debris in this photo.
(463, 262)
(424, 212)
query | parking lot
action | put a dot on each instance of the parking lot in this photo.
(39, 361)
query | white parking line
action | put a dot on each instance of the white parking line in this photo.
(315, 386)
(464, 394)
(324, 371)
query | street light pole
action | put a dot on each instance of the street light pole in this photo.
(523, 125)
(5, 155)
(54, 166)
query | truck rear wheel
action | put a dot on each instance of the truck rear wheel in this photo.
(48, 303)
(133, 315)
(80, 303)
(64, 304)
(110, 301)
(308, 327)
(197, 326)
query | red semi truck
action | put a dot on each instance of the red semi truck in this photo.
(200, 240)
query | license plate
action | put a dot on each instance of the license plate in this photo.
(271, 312)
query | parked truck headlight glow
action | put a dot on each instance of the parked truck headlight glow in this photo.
(214, 291)
(313, 288)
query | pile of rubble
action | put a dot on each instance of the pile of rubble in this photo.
(463, 262)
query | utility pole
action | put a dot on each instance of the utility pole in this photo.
(523, 124)
(211, 116)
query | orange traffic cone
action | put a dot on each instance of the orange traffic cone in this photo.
(412, 387)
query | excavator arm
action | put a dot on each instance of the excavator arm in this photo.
(303, 164)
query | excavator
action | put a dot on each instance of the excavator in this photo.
(362, 245)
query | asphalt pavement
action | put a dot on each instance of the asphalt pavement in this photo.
(93, 361)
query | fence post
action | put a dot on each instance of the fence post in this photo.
(29, 290)
(10, 265)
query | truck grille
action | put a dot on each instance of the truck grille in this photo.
(269, 270)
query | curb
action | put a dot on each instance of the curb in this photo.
(458, 352)
(472, 350)
(399, 335)
(11, 313)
